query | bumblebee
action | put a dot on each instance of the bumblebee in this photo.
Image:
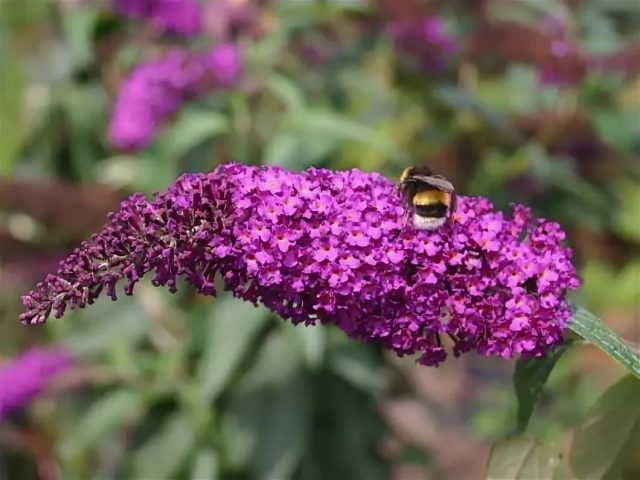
(431, 198)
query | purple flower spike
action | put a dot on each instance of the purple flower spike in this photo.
(155, 90)
(27, 375)
(330, 247)
(182, 17)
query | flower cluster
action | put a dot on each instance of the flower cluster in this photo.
(332, 247)
(425, 39)
(565, 63)
(27, 375)
(155, 90)
(182, 17)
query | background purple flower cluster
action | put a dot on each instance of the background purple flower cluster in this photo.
(330, 247)
(566, 63)
(25, 376)
(155, 90)
(425, 39)
(182, 17)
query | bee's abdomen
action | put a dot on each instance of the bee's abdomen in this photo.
(433, 210)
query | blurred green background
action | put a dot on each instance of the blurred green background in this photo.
(183, 386)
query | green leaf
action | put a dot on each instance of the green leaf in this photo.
(607, 428)
(520, 458)
(330, 124)
(192, 128)
(529, 379)
(107, 323)
(232, 327)
(459, 99)
(628, 211)
(12, 121)
(286, 91)
(617, 127)
(283, 430)
(84, 107)
(606, 285)
(297, 150)
(591, 328)
(78, 26)
(283, 149)
(310, 340)
(345, 444)
(161, 455)
(205, 465)
(273, 379)
(356, 364)
(104, 416)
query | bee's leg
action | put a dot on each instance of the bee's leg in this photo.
(398, 190)
(405, 219)
(452, 209)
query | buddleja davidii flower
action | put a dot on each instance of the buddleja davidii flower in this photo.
(153, 91)
(24, 377)
(181, 17)
(331, 247)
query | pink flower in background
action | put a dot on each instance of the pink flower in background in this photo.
(24, 377)
(337, 253)
(182, 17)
(153, 91)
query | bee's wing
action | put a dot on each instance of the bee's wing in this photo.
(437, 182)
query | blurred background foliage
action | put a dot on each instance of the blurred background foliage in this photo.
(181, 386)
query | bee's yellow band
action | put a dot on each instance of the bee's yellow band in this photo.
(431, 197)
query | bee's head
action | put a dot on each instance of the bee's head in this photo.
(406, 173)
(409, 173)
